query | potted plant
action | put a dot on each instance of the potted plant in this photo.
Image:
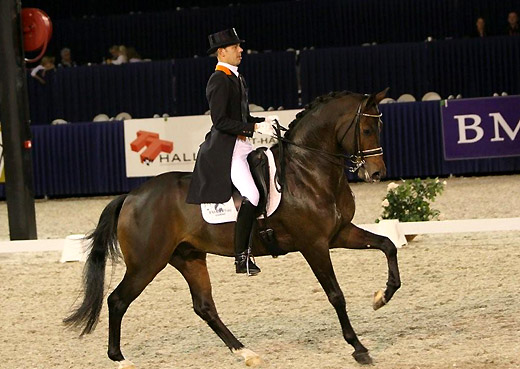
(410, 201)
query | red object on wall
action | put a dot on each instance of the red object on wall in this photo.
(154, 145)
(37, 31)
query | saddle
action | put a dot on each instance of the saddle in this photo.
(259, 166)
(263, 169)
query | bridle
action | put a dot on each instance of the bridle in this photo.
(357, 160)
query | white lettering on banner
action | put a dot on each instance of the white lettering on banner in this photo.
(463, 128)
(498, 120)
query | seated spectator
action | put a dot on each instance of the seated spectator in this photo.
(513, 29)
(132, 55)
(480, 28)
(118, 55)
(46, 65)
(66, 59)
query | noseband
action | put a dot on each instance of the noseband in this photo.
(358, 159)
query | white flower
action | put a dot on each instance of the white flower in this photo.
(385, 203)
(445, 183)
(391, 186)
(436, 180)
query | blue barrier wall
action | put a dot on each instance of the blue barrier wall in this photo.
(88, 158)
(473, 68)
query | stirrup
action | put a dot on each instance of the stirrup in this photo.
(250, 256)
(247, 258)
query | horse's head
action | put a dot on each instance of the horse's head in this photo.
(359, 136)
(339, 123)
(370, 129)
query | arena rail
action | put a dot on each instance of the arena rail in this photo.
(397, 231)
(74, 247)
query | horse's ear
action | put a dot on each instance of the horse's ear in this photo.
(381, 95)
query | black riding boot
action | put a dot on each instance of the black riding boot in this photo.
(243, 228)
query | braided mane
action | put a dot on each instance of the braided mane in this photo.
(320, 100)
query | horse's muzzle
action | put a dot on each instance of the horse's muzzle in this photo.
(367, 175)
(376, 177)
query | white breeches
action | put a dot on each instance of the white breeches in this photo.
(240, 173)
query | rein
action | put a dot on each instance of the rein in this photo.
(357, 160)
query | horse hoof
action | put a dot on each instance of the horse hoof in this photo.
(362, 358)
(250, 357)
(125, 364)
(379, 300)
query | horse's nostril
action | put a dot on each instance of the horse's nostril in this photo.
(376, 176)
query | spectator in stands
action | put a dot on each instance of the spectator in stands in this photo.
(118, 53)
(66, 59)
(480, 28)
(513, 29)
(45, 67)
(132, 55)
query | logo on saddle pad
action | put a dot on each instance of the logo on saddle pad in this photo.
(227, 212)
(220, 213)
(154, 146)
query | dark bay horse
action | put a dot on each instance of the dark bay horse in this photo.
(155, 227)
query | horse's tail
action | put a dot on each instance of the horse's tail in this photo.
(103, 243)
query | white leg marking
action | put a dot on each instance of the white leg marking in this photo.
(251, 358)
(125, 364)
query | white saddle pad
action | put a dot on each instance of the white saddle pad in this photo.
(227, 212)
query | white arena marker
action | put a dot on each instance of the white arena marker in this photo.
(461, 226)
(388, 228)
(31, 246)
(406, 228)
(74, 248)
(396, 230)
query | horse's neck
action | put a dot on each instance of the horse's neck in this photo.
(312, 170)
(316, 166)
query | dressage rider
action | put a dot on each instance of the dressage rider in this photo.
(222, 158)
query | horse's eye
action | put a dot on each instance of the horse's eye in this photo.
(366, 131)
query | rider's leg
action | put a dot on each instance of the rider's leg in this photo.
(243, 181)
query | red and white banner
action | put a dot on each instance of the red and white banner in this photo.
(159, 145)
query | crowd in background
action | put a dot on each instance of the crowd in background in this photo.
(119, 54)
(512, 29)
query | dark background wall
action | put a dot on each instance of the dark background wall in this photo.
(160, 31)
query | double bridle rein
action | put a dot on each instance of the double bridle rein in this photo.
(357, 160)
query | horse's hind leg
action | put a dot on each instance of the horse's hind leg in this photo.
(318, 258)
(192, 265)
(134, 282)
(353, 237)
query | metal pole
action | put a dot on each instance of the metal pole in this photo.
(14, 117)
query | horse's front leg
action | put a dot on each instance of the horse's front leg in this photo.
(352, 237)
(319, 260)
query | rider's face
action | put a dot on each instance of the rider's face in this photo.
(231, 54)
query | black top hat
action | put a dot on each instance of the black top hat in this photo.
(223, 39)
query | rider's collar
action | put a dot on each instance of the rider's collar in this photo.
(225, 67)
